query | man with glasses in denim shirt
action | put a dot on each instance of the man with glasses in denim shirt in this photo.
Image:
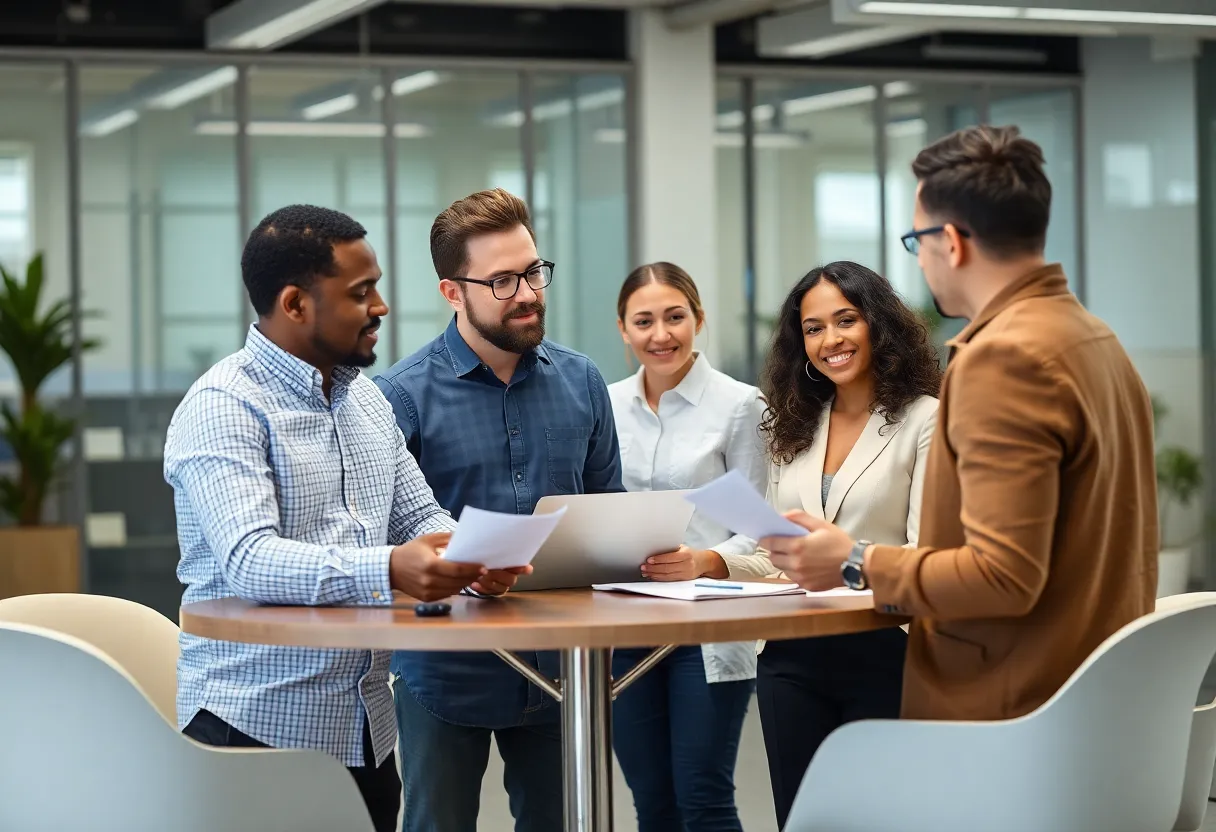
(497, 417)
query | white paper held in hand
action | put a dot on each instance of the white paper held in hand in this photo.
(732, 502)
(497, 540)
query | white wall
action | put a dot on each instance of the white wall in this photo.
(1142, 223)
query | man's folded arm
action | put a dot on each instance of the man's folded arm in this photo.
(1009, 422)
(218, 458)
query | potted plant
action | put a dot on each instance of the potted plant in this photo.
(1179, 480)
(38, 341)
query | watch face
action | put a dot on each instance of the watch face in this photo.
(852, 576)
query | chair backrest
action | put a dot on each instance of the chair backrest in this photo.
(141, 640)
(1121, 725)
(83, 749)
(1185, 599)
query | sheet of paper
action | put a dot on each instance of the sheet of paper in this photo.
(840, 592)
(731, 501)
(500, 541)
(701, 589)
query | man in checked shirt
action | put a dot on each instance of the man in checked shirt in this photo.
(292, 485)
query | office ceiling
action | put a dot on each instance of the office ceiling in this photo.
(554, 29)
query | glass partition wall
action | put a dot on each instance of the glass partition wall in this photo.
(829, 178)
(149, 175)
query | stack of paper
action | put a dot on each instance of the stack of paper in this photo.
(701, 589)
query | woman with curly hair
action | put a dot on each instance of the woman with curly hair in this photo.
(851, 380)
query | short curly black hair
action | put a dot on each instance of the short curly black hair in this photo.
(292, 247)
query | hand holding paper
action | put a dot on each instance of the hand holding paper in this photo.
(500, 541)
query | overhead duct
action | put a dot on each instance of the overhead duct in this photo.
(266, 24)
(810, 32)
(1186, 18)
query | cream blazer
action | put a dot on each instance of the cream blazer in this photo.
(876, 494)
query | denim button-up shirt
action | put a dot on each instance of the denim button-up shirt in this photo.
(499, 447)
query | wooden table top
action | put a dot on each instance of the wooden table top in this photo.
(545, 620)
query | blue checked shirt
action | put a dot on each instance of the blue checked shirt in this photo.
(286, 497)
(499, 447)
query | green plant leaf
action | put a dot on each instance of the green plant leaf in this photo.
(1179, 473)
(36, 335)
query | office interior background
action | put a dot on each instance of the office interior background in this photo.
(748, 141)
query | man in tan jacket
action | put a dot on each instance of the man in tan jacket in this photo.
(1038, 534)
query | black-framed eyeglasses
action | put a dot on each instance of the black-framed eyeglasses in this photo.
(506, 286)
(911, 240)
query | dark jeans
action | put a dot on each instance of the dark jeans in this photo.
(380, 786)
(676, 737)
(442, 766)
(807, 688)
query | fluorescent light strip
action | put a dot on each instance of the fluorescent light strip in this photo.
(938, 9)
(205, 84)
(305, 18)
(561, 107)
(196, 88)
(417, 82)
(330, 107)
(1112, 16)
(313, 129)
(847, 41)
(763, 141)
(1023, 13)
(110, 124)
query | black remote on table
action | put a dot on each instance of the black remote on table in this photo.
(433, 610)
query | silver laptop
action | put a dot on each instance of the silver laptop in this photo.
(605, 537)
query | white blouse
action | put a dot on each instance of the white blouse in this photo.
(707, 425)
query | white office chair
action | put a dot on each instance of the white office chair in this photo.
(83, 748)
(1107, 753)
(1201, 749)
(141, 640)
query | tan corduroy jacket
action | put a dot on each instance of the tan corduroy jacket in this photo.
(1038, 533)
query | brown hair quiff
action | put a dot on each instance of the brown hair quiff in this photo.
(990, 182)
(485, 212)
(667, 274)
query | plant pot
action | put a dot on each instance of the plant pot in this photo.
(39, 559)
(1173, 571)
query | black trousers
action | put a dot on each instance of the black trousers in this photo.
(807, 688)
(379, 785)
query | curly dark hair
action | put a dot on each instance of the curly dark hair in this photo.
(905, 363)
(293, 246)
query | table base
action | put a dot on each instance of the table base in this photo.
(586, 690)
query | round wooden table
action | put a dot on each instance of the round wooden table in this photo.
(583, 625)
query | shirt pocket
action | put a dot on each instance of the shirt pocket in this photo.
(567, 449)
(696, 458)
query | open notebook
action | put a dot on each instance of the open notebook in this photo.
(702, 589)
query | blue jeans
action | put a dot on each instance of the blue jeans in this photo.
(442, 766)
(677, 738)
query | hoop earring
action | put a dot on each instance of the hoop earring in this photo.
(808, 372)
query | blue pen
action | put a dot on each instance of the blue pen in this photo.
(719, 586)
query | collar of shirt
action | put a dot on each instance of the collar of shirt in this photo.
(691, 388)
(298, 375)
(1041, 282)
(465, 361)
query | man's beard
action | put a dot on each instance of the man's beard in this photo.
(351, 359)
(508, 338)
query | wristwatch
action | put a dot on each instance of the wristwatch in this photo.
(851, 569)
